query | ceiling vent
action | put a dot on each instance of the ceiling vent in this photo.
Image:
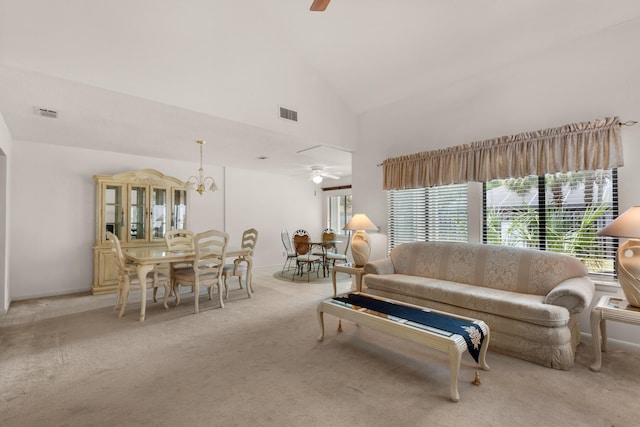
(45, 112)
(288, 114)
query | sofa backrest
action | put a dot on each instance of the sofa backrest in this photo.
(491, 266)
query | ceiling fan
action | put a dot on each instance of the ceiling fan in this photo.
(318, 174)
(319, 5)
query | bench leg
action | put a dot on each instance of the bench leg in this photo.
(455, 356)
(483, 351)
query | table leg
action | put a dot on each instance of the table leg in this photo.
(455, 356)
(596, 329)
(333, 280)
(335, 293)
(321, 321)
(603, 334)
(143, 270)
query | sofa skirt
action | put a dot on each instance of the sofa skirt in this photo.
(553, 347)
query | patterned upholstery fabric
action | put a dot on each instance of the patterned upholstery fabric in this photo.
(528, 298)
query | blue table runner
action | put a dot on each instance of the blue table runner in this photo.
(471, 332)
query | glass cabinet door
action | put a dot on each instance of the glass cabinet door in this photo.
(138, 203)
(113, 213)
(179, 220)
(158, 212)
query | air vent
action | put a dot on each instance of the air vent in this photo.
(45, 112)
(288, 114)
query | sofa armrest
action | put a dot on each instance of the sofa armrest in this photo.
(380, 266)
(575, 294)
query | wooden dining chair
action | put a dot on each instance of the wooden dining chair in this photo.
(243, 263)
(128, 277)
(210, 247)
(178, 240)
(304, 257)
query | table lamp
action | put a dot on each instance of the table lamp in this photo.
(628, 255)
(360, 247)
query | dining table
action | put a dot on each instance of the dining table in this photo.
(146, 258)
(323, 245)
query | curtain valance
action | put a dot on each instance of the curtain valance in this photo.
(573, 147)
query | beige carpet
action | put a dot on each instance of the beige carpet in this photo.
(70, 361)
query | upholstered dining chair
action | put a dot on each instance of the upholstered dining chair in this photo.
(128, 277)
(291, 253)
(210, 247)
(243, 263)
(178, 240)
(304, 257)
(331, 250)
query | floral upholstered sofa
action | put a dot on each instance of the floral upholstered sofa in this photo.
(528, 298)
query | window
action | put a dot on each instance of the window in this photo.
(559, 212)
(427, 214)
(339, 212)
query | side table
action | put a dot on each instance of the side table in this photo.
(609, 308)
(350, 269)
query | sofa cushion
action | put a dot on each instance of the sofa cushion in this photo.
(524, 307)
(518, 270)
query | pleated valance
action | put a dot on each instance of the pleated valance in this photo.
(573, 147)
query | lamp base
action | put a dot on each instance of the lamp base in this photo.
(360, 248)
(628, 269)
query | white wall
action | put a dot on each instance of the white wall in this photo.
(243, 79)
(5, 179)
(585, 79)
(268, 203)
(53, 211)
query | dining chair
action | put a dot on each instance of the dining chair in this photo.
(291, 253)
(243, 263)
(331, 249)
(210, 247)
(328, 237)
(128, 277)
(178, 240)
(304, 257)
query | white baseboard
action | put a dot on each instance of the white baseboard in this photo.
(613, 343)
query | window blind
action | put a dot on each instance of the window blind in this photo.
(559, 212)
(427, 214)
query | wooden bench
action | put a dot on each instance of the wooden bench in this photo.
(450, 343)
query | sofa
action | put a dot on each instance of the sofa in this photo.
(529, 298)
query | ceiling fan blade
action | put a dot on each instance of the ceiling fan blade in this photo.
(319, 5)
(326, 175)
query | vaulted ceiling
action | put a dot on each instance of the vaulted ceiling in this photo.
(149, 77)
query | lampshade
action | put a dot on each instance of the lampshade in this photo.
(316, 179)
(360, 222)
(626, 225)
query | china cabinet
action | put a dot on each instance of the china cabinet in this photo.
(138, 207)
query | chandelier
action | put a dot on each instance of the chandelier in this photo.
(200, 182)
